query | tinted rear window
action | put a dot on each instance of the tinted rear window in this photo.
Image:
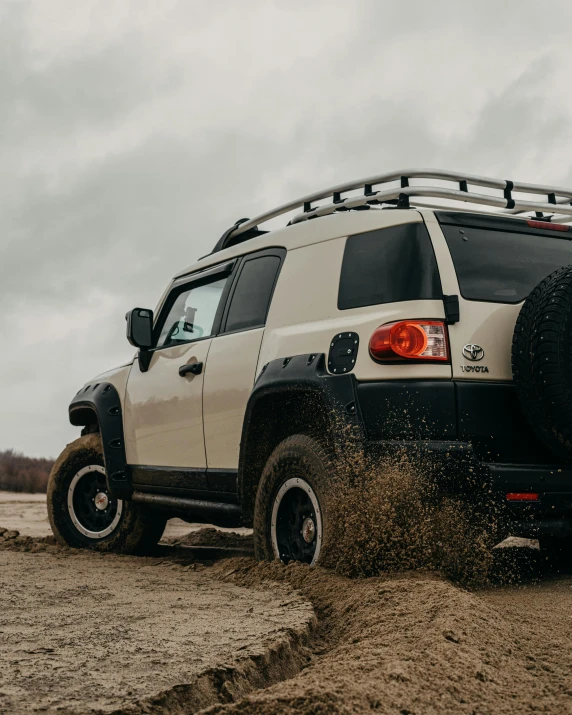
(388, 266)
(251, 298)
(503, 266)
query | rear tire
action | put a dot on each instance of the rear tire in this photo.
(291, 508)
(84, 514)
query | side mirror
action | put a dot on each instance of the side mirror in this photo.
(140, 328)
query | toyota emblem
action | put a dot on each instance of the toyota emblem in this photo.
(473, 352)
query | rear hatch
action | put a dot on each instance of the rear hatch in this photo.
(497, 262)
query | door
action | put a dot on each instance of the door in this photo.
(163, 420)
(233, 357)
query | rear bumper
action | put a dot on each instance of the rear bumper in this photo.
(459, 471)
(551, 514)
(473, 436)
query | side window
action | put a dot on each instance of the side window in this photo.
(192, 314)
(251, 297)
(389, 265)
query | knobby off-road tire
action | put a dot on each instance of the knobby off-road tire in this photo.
(292, 503)
(542, 361)
(76, 481)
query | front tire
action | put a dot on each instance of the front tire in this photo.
(84, 514)
(291, 508)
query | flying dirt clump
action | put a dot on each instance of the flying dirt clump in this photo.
(391, 515)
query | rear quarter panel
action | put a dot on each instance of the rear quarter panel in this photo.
(304, 316)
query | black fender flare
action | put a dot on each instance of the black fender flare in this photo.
(103, 399)
(330, 399)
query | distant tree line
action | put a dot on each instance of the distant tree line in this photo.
(19, 473)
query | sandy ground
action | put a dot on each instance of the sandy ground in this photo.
(183, 633)
(83, 633)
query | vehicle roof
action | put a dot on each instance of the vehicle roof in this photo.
(309, 232)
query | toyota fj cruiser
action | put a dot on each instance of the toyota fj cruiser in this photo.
(441, 327)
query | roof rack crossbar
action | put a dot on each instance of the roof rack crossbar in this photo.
(554, 197)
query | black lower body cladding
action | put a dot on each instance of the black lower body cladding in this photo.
(471, 434)
(485, 414)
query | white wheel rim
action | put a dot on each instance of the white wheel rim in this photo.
(71, 509)
(296, 483)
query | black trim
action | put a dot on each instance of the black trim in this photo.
(343, 352)
(103, 399)
(508, 194)
(490, 416)
(408, 410)
(227, 239)
(190, 480)
(222, 480)
(487, 414)
(206, 272)
(176, 477)
(305, 374)
(452, 309)
(535, 478)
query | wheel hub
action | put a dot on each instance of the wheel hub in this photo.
(308, 530)
(101, 501)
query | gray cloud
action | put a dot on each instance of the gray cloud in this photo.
(132, 135)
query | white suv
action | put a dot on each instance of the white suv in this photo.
(363, 311)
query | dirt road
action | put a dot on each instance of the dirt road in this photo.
(85, 633)
(181, 633)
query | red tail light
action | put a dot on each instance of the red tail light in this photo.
(410, 340)
(522, 496)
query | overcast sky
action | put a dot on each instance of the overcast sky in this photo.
(132, 134)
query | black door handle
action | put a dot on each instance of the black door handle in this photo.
(195, 368)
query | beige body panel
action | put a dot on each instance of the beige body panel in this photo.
(489, 325)
(304, 320)
(163, 411)
(228, 382)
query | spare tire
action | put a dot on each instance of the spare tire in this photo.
(542, 361)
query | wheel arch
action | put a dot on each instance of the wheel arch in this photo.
(294, 395)
(100, 404)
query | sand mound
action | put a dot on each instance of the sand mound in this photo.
(211, 537)
(407, 644)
